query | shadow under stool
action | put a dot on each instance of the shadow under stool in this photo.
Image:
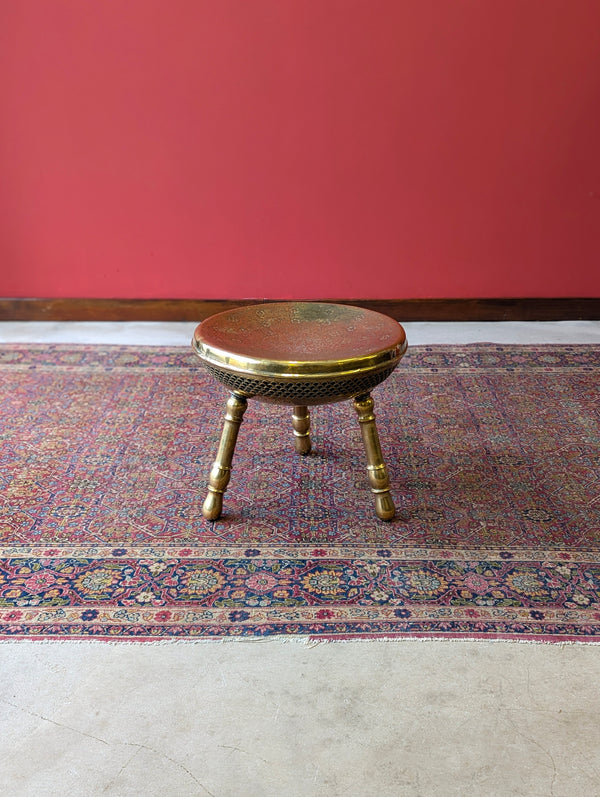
(299, 354)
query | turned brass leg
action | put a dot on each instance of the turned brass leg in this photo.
(301, 424)
(221, 469)
(378, 478)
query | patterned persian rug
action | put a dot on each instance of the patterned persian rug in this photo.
(494, 458)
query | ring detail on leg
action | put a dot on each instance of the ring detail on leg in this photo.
(301, 426)
(220, 472)
(377, 472)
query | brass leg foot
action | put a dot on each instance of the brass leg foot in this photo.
(378, 477)
(221, 469)
(301, 424)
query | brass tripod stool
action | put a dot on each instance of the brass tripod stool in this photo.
(299, 354)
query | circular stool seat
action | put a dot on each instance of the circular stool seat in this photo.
(301, 354)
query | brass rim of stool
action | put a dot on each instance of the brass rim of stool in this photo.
(375, 357)
(281, 369)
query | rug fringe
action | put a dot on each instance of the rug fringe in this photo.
(446, 640)
(304, 641)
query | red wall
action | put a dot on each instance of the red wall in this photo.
(299, 148)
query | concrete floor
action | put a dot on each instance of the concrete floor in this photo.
(285, 719)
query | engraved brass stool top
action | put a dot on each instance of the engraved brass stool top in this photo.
(300, 352)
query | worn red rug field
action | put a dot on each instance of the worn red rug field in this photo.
(494, 458)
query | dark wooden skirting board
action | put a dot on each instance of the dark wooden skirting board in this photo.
(524, 309)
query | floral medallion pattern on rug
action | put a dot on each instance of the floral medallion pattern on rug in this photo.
(494, 458)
